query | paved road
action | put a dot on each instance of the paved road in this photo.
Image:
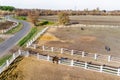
(12, 41)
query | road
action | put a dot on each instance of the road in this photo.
(12, 41)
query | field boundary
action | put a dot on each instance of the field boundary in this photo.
(85, 25)
(14, 25)
(95, 56)
(64, 61)
(30, 42)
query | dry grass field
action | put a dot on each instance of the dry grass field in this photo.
(88, 19)
(92, 40)
(32, 69)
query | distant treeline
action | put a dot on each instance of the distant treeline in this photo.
(7, 8)
(42, 12)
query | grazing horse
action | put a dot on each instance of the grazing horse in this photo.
(82, 28)
(107, 48)
(55, 59)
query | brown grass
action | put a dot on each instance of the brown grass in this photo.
(48, 37)
(92, 40)
(33, 69)
(87, 38)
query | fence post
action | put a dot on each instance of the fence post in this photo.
(52, 49)
(59, 62)
(71, 63)
(43, 47)
(86, 65)
(27, 45)
(101, 68)
(27, 54)
(30, 42)
(95, 56)
(19, 52)
(34, 46)
(61, 50)
(118, 73)
(0, 70)
(38, 56)
(109, 58)
(83, 54)
(13, 56)
(48, 58)
(72, 52)
(33, 39)
(7, 63)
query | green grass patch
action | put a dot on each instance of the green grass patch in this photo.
(44, 22)
(28, 37)
(21, 17)
(15, 29)
(1, 40)
(4, 58)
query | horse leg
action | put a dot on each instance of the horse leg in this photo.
(53, 61)
(57, 61)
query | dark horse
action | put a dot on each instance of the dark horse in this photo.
(82, 28)
(107, 48)
(55, 59)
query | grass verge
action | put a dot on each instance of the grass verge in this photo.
(28, 37)
(45, 23)
(4, 58)
(15, 29)
(20, 17)
(1, 40)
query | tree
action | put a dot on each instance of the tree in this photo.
(63, 18)
(33, 17)
(7, 8)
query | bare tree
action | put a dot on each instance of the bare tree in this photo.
(33, 16)
(63, 18)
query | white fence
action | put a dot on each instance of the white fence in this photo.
(86, 25)
(9, 61)
(64, 61)
(94, 56)
(14, 25)
(35, 38)
(82, 64)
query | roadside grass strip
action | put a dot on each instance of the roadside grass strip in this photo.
(28, 37)
(15, 29)
(20, 17)
(4, 58)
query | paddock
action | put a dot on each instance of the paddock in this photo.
(91, 39)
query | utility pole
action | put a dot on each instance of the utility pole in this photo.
(75, 6)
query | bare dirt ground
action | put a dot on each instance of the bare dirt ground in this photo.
(92, 40)
(32, 69)
(5, 25)
(88, 19)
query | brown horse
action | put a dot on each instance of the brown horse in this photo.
(55, 59)
(82, 28)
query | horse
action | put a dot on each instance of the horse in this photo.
(107, 48)
(82, 28)
(55, 59)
